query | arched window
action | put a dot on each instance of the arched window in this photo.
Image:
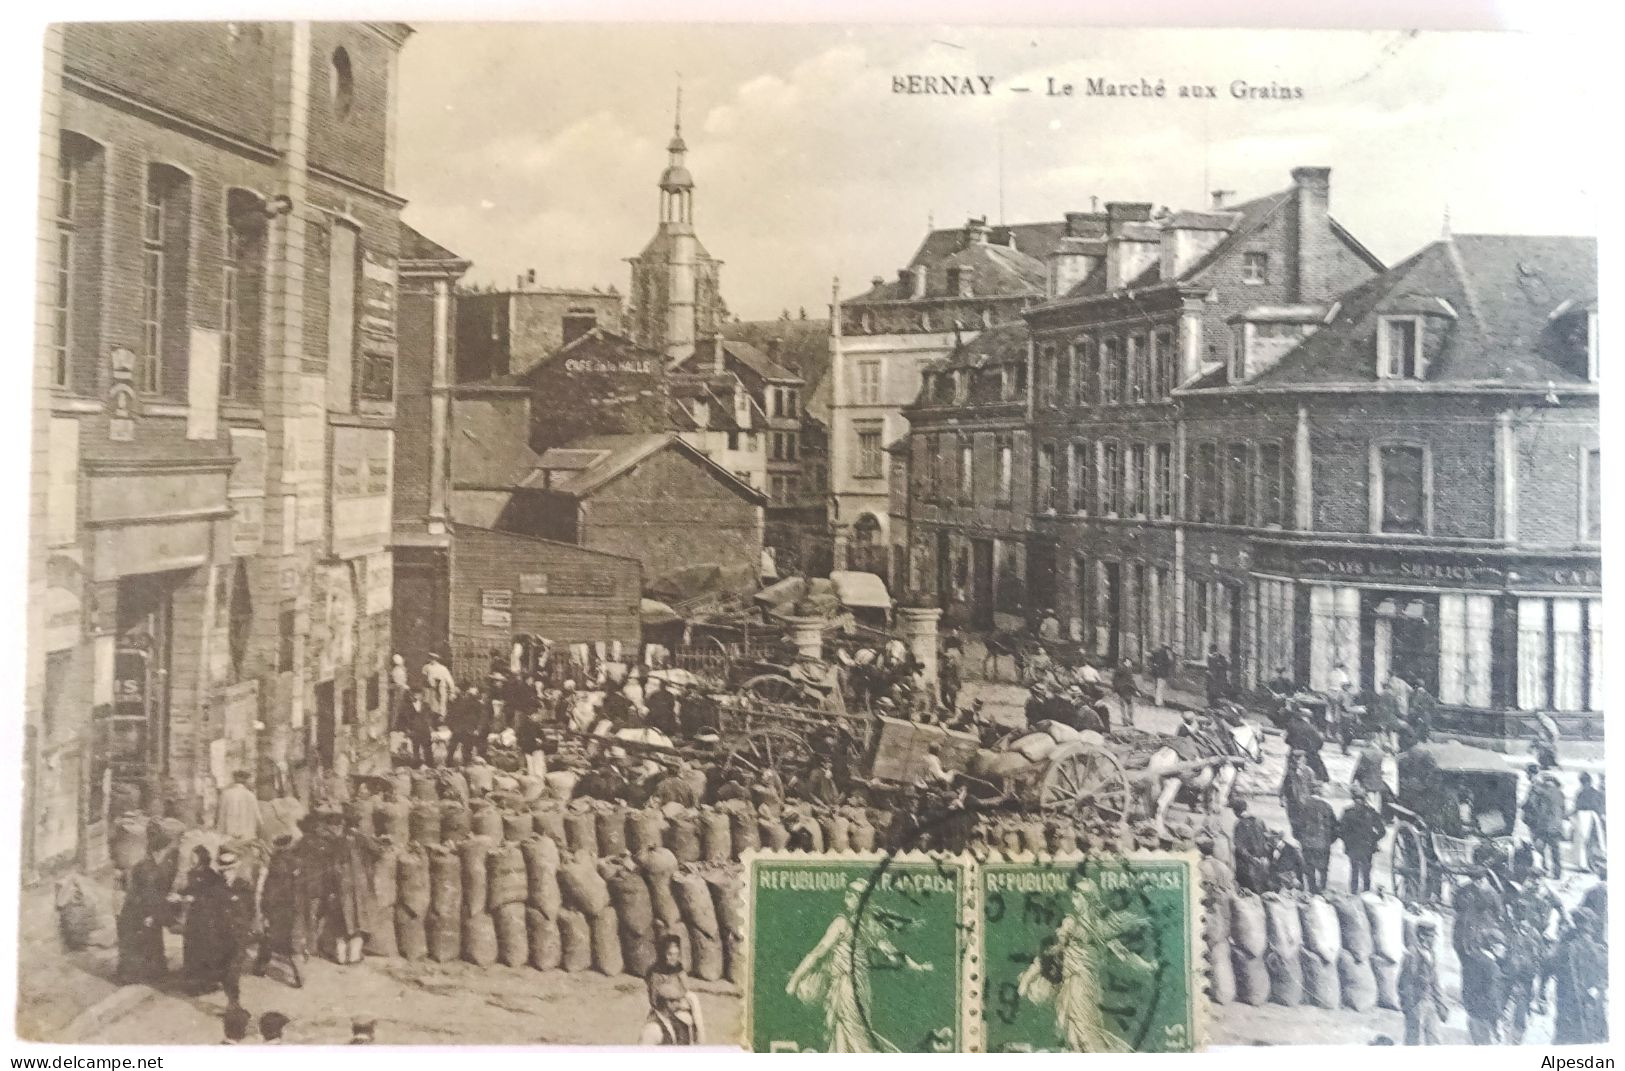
(866, 531)
(166, 225)
(341, 82)
(242, 304)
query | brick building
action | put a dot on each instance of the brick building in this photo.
(509, 332)
(214, 400)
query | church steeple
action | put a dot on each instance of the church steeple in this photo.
(676, 184)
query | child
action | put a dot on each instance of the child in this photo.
(674, 1015)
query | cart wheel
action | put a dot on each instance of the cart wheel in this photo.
(1408, 865)
(773, 687)
(724, 659)
(1088, 782)
(760, 750)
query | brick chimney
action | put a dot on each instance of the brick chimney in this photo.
(1075, 223)
(1124, 256)
(919, 276)
(976, 230)
(1312, 265)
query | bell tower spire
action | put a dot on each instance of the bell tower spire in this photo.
(676, 184)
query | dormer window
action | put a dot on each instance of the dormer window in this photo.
(1399, 348)
(1255, 268)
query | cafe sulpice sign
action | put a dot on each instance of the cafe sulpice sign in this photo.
(1430, 568)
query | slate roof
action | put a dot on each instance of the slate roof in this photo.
(1002, 344)
(743, 352)
(803, 346)
(1010, 263)
(414, 246)
(616, 455)
(1496, 296)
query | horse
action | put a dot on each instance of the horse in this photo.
(998, 644)
(1168, 773)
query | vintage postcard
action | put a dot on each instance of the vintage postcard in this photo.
(813, 538)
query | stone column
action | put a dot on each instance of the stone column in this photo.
(807, 633)
(918, 625)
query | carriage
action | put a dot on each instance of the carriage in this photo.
(1455, 811)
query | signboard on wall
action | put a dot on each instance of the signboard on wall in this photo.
(361, 505)
(203, 385)
(245, 488)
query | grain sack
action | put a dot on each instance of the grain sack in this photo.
(1216, 923)
(1322, 934)
(385, 866)
(663, 900)
(561, 784)
(1387, 979)
(1320, 985)
(716, 837)
(539, 850)
(531, 788)
(1286, 978)
(725, 891)
(863, 835)
(412, 882)
(394, 820)
(411, 937)
(381, 939)
(693, 895)
(425, 823)
(84, 914)
(771, 832)
(1284, 927)
(488, 824)
(129, 841)
(424, 787)
(1387, 916)
(1248, 929)
(645, 829)
(479, 939)
(445, 937)
(543, 931)
(1033, 747)
(1357, 983)
(513, 939)
(582, 887)
(612, 831)
(575, 942)
(1221, 976)
(517, 825)
(480, 778)
(445, 883)
(506, 881)
(453, 785)
(804, 831)
(682, 836)
(1215, 875)
(1252, 978)
(605, 936)
(1034, 838)
(581, 832)
(837, 833)
(1354, 926)
(1061, 839)
(473, 857)
(747, 834)
(629, 894)
(456, 821)
(401, 782)
(549, 821)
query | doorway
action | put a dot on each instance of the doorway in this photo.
(945, 575)
(326, 725)
(1404, 638)
(981, 568)
(1111, 605)
(1041, 578)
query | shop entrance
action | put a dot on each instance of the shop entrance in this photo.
(1404, 628)
(981, 570)
(326, 725)
(133, 737)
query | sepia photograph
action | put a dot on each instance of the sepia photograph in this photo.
(812, 538)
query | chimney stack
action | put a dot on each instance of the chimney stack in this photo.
(1219, 198)
(880, 280)
(1125, 258)
(976, 231)
(919, 277)
(1074, 223)
(530, 276)
(1313, 193)
(718, 363)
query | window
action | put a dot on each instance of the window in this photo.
(1046, 376)
(1134, 370)
(783, 446)
(1082, 470)
(1087, 380)
(1271, 502)
(285, 641)
(961, 385)
(1277, 608)
(1006, 471)
(1138, 481)
(1111, 476)
(241, 295)
(1238, 353)
(1203, 491)
(1399, 344)
(782, 487)
(1162, 365)
(374, 690)
(1063, 375)
(1255, 268)
(67, 200)
(1162, 481)
(867, 388)
(1560, 654)
(1593, 497)
(1465, 631)
(1048, 500)
(240, 621)
(341, 83)
(1401, 488)
(576, 323)
(1334, 634)
(967, 473)
(165, 240)
(869, 463)
(1111, 371)
(152, 284)
(1236, 483)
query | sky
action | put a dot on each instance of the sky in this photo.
(533, 145)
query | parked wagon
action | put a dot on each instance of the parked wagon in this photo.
(1456, 808)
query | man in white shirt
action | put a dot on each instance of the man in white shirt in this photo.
(439, 684)
(238, 815)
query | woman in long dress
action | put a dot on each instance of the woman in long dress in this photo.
(1084, 943)
(835, 974)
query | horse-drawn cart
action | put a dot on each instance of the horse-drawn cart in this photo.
(1455, 810)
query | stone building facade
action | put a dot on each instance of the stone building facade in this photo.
(215, 398)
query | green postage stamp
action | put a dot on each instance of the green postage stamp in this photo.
(878, 953)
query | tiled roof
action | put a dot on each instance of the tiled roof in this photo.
(1496, 293)
(1003, 344)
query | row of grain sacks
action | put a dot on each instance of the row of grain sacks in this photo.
(1336, 951)
(526, 902)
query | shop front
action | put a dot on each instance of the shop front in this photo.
(1495, 636)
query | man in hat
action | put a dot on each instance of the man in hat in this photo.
(1483, 987)
(1049, 627)
(1250, 840)
(1581, 969)
(280, 909)
(416, 720)
(1587, 822)
(1544, 811)
(1218, 674)
(1421, 999)
(1127, 686)
(1301, 735)
(439, 687)
(1547, 735)
(1162, 668)
(141, 916)
(469, 722)
(352, 907)
(237, 814)
(1317, 829)
(1361, 830)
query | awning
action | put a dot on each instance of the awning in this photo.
(1452, 756)
(860, 591)
(655, 614)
